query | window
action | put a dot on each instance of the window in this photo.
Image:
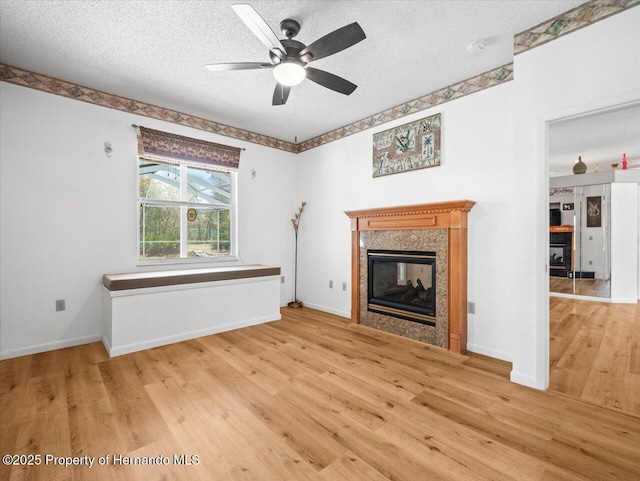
(186, 209)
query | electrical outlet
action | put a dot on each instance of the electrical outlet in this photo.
(471, 307)
(281, 279)
(344, 286)
(330, 284)
(60, 305)
(590, 263)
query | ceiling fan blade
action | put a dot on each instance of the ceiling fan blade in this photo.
(281, 94)
(221, 67)
(330, 81)
(334, 42)
(260, 29)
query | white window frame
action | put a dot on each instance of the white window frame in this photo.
(184, 205)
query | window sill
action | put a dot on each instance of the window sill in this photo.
(189, 260)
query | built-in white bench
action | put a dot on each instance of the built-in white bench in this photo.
(150, 309)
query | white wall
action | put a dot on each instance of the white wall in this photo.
(68, 213)
(477, 164)
(587, 70)
(624, 235)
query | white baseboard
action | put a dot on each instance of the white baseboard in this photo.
(624, 300)
(525, 380)
(49, 346)
(318, 307)
(580, 297)
(106, 344)
(487, 351)
(183, 336)
(616, 300)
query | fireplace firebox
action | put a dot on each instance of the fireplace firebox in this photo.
(402, 284)
(560, 251)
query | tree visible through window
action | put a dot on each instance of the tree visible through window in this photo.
(184, 212)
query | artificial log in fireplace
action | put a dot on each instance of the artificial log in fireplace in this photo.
(439, 299)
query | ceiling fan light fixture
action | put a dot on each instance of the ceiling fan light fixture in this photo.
(289, 58)
(289, 73)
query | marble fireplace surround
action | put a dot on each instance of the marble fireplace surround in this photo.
(402, 228)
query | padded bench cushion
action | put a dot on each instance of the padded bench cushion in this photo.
(141, 280)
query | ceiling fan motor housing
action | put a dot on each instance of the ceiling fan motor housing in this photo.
(289, 28)
(293, 48)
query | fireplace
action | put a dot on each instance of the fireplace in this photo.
(401, 240)
(560, 259)
(560, 251)
(402, 284)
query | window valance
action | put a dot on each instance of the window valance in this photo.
(158, 146)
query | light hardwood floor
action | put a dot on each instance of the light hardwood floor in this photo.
(595, 352)
(310, 397)
(581, 287)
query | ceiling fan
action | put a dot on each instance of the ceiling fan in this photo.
(290, 58)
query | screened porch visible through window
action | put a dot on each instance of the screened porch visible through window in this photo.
(186, 207)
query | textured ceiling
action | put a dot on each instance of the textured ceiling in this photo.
(600, 138)
(154, 51)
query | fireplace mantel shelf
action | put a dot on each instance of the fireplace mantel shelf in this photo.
(434, 208)
(561, 228)
(452, 216)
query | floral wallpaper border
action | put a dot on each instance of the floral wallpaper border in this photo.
(480, 82)
(579, 17)
(86, 94)
(570, 21)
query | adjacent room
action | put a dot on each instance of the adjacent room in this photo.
(320, 240)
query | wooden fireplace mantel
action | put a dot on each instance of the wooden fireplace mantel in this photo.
(451, 216)
(561, 228)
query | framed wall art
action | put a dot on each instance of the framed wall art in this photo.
(411, 146)
(594, 211)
